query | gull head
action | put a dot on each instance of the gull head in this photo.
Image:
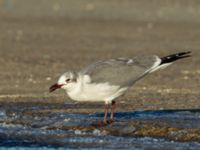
(66, 81)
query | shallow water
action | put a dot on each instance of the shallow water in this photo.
(39, 127)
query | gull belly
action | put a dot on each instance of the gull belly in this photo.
(87, 91)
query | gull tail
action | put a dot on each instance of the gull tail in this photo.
(168, 60)
(174, 57)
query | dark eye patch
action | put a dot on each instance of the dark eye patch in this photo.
(67, 80)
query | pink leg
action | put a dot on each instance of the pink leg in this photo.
(113, 107)
(105, 114)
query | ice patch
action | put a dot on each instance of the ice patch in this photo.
(2, 114)
(77, 132)
(97, 132)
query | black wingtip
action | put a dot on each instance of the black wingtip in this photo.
(184, 53)
(174, 57)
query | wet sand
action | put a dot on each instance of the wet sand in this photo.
(38, 125)
(34, 52)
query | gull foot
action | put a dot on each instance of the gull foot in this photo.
(111, 121)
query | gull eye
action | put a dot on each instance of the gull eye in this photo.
(67, 80)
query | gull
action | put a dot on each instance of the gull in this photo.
(107, 80)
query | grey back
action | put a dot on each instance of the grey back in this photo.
(120, 71)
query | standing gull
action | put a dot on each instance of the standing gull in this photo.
(107, 80)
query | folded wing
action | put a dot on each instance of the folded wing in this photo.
(121, 71)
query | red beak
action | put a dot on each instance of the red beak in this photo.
(54, 87)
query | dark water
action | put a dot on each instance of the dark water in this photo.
(37, 127)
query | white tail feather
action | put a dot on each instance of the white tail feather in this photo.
(163, 66)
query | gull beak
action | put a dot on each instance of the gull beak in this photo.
(54, 87)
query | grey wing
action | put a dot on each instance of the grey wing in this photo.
(121, 71)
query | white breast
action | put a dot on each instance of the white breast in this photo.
(84, 90)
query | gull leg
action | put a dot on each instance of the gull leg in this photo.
(113, 107)
(104, 122)
(105, 114)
